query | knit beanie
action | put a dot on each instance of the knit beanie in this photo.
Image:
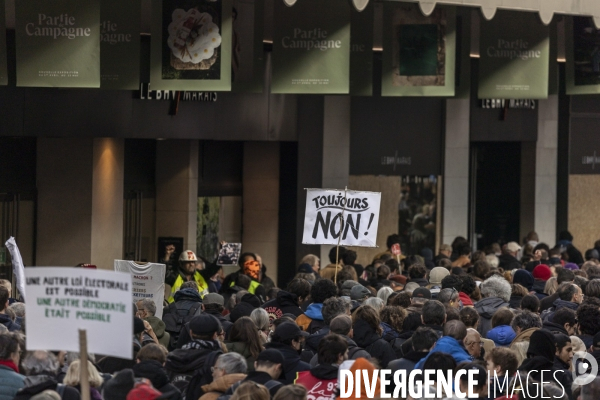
(119, 386)
(542, 272)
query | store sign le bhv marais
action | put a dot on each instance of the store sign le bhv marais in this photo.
(145, 93)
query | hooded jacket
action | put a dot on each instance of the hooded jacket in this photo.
(367, 338)
(502, 335)
(312, 342)
(312, 319)
(389, 334)
(540, 357)
(548, 301)
(9, 324)
(320, 382)
(538, 287)
(465, 299)
(447, 344)
(38, 383)
(354, 352)
(486, 309)
(10, 382)
(284, 303)
(554, 328)
(158, 326)
(243, 349)
(408, 362)
(154, 371)
(292, 364)
(508, 262)
(421, 281)
(220, 386)
(182, 364)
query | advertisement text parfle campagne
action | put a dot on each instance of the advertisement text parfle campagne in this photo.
(62, 25)
(513, 49)
(310, 39)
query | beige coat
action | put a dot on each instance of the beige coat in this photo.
(219, 386)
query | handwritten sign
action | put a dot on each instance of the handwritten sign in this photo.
(147, 280)
(60, 301)
(330, 213)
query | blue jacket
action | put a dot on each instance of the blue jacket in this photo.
(502, 335)
(10, 383)
(314, 311)
(450, 346)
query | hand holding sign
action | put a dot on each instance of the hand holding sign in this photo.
(339, 217)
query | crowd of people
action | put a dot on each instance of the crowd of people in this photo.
(517, 313)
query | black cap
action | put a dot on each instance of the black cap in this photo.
(204, 324)
(272, 355)
(422, 293)
(305, 268)
(289, 330)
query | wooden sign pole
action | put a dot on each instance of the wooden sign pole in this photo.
(84, 380)
(337, 252)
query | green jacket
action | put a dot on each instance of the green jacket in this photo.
(158, 326)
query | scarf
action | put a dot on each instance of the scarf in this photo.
(198, 344)
(10, 364)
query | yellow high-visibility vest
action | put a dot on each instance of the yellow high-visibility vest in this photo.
(253, 285)
(202, 286)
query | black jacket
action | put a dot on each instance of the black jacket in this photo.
(195, 358)
(312, 342)
(292, 364)
(554, 328)
(154, 371)
(538, 288)
(354, 352)
(261, 378)
(515, 302)
(486, 308)
(260, 292)
(508, 262)
(9, 324)
(548, 301)
(284, 303)
(420, 281)
(367, 338)
(564, 376)
(407, 362)
(37, 384)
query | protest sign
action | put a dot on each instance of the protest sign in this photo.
(147, 280)
(229, 254)
(331, 212)
(60, 301)
(17, 263)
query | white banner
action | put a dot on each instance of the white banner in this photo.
(60, 301)
(17, 263)
(330, 212)
(148, 281)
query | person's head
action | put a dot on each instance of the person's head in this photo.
(393, 265)
(473, 343)
(565, 236)
(349, 257)
(501, 361)
(40, 362)
(496, 286)
(402, 299)
(530, 303)
(423, 339)
(229, 363)
(439, 363)
(260, 317)
(251, 391)
(299, 287)
(525, 320)
(73, 372)
(393, 316)
(368, 315)
(204, 327)
(591, 391)
(334, 254)
(446, 250)
(188, 285)
(374, 302)
(342, 325)
(542, 272)
(244, 330)
(492, 260)
(570, 292)
(334, 306)
(564, 349)
(592, 289)
(392, 240)
(18, 309)
(470, 317)
(564, 275)
(449, 297)
(270, 361)
(4, 295)
(322, 290)
(291, 392)
(152, 352)
(289, 334)
(313, 261)
(481, 269)
(566, 318)
(384, 293)
(452, 281)
(503, 316)
(417, 271)
(588, 317)
(188, 262)
(433, 313)
(478, 382)
(10, 349)
(146, 308)
(332, 350)
(7, 284)
(455, 329)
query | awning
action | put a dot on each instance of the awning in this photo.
(546, 8)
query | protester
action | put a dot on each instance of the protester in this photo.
(10, 378)
(502, 333)
(332, 307)
(249, 267)
(288, 301)
(119, 386)
(188, 272)
(150, 365)
(367, 334)
(422, 341)
(261, 319)
(72, 378)
(288, 339)
(451, 343)
(229, 369)
(291, 392)
(508, 259)
(268, 367)
(40, 371)
(496, 294)
(4, 317)
(251, 390)
(147, 311)
(541, 274)
(244, 339)
(312, 319)
(501, 362)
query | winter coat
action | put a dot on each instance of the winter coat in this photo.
(318, 381)
(262, 378)
(515, 302)
(329, 271)
(465, 299)
(312, 320)
(548, 301)
(158, 326)
(486, 309)
(502, 335)
(244, 350)
(10, 382)
(538, 288)
(408, 362)
(195, 357)
(554, 328)
(155, 372)
(564, 376)
(508, 262)
(524, 336)
(38, 383)
(259, 292)
(389, 334)
(284, 303)
(354, 352)
(220, 386)
(448, 345)
(312, 342)
(9, 324)
(421, 281)
(292, 364)
(367, 338)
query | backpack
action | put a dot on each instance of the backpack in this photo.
(352, 352)
(202, 376)
(198, 374)
(269, 385)
(60, 389)
(174, 321)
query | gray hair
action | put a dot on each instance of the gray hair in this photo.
(493, 260)
(374, 302)
(334, 306)
(384, 293)
(310, 259)
(148, 305)
(232, 363)
(260, 318)
(526, 320)
(496, 286)
(40, 362)
(445, 296)
(18, 309)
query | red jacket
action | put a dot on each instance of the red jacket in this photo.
(466, 300)
(318, 389)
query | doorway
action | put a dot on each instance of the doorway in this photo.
(495, 193)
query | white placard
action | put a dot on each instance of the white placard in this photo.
(148, 281)
(60, 301)
(325, 209)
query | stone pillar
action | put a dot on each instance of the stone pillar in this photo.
(546, 163)
(261, 202)
(177, 190)
(80, 201)
(456, 170)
